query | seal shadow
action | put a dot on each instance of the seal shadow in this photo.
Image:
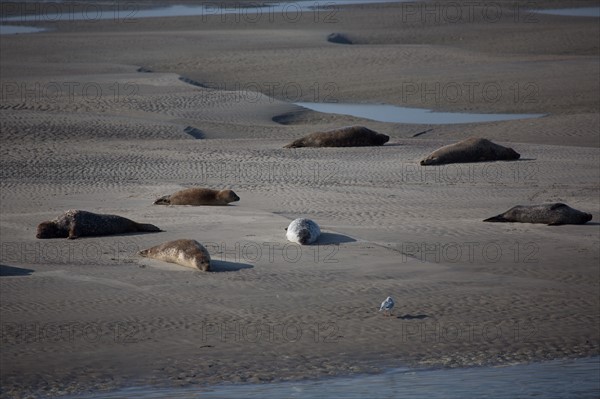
(333, 238)
(193, 82)
(9, 271)
(288, 118)
(338, 38)
(195, 133)
(413, 317)
(484, 162)
(132, 233)
(220, 266)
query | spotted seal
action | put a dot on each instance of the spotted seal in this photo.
(76, 223)
(303, 231)
(189, 253)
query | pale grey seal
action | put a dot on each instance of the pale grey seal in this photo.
(303, 231)
(189, 253)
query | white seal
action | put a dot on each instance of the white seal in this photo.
(303, 231)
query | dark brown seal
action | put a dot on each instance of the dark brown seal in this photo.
(75, 223)
(352, 136)
(473, 149)
(189, 253)
(198, 196)
(551, 214)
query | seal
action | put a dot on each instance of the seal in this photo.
(351, 136)
(198, 196)
(473, 149)
(303, 231)
(75, 223)
(189, 253)
(553, 214)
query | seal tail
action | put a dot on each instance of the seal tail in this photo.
(429, 161)
(147, 227)
(293, 144)
(498, 219)
(166, 200)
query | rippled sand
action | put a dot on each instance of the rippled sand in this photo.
(91, 314)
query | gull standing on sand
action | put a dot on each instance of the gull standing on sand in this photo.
(387, 306)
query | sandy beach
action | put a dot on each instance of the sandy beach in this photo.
(109, 115)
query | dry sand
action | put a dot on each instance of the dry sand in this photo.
(91, 314)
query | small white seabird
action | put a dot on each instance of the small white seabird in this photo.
(387, 306)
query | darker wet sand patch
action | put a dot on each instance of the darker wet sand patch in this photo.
(192, 82)
(220, 266)
(195, 133)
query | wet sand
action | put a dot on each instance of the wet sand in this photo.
(84, 126)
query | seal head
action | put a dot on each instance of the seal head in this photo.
(303, 231)
(50, 230)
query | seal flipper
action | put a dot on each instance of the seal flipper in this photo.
(147, 227)
(73, 233)
(166, 200)
(499, 219)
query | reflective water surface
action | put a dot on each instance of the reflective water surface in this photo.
(578, 378)
(130, 11)
(17, 29)
(573, 12)
(395, 114)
